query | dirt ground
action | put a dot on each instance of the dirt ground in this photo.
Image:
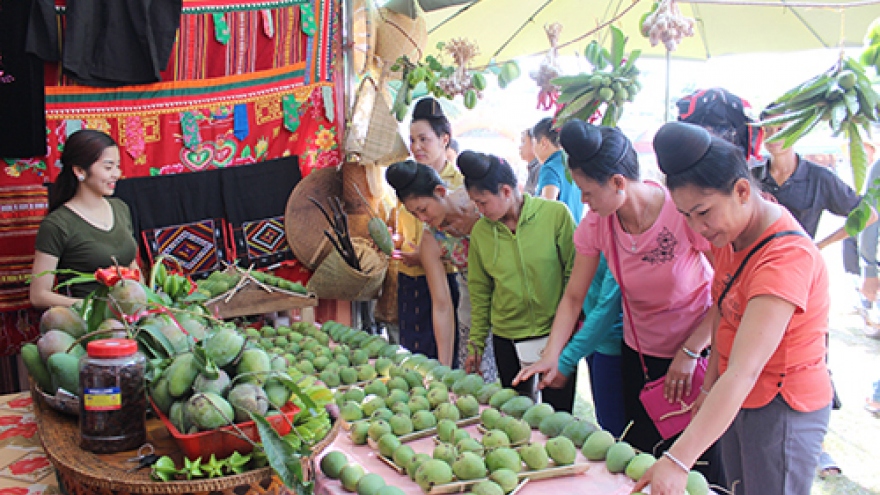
(853, 438)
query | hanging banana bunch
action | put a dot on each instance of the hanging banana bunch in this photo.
(843, 97)
(613, 82)
(871, 55)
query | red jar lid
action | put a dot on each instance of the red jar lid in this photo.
(111, 348)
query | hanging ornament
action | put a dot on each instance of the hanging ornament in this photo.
(327, 96)
(549, 70)
(189, 127)
(290, 111)
(667, 24)
(307, 19)
(461, 81)
(221, 28)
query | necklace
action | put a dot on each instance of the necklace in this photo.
(91, 217)
(632, 239)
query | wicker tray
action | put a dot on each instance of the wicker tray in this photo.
(82, 472)
(252, 299)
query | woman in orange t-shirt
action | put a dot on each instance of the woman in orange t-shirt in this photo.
(767, 393)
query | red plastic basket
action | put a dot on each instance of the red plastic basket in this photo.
(223, 441)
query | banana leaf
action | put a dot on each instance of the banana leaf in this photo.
(282, 457)
(857, 156)
(618, 45)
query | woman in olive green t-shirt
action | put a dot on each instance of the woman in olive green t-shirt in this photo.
(84, 230)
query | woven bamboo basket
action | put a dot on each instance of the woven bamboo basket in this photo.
(336, 279)
(398, 35)
(81, 472)
(303, 222)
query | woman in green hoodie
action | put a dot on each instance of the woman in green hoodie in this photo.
(520, 258)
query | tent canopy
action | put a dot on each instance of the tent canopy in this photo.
(506, 29)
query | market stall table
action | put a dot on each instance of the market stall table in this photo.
(596, 480)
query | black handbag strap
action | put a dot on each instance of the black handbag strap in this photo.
(758, 246)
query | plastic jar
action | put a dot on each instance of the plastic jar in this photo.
(113, 403)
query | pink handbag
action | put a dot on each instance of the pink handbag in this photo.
(672, 418)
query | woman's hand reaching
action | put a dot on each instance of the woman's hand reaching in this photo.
(548, 371)
(472, 363)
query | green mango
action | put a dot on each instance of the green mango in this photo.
(181, 374)
(64, 370)
(31, 357)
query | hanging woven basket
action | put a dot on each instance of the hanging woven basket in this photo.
(336, 279)
(398, 35)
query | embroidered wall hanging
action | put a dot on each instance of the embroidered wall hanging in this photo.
(162, 147)
(263, 242)
(198, 246)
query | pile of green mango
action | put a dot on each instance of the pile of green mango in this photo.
(218, 382)
(221, 281)
(414, 393)
(53, 362)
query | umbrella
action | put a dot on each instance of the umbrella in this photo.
(506, 29)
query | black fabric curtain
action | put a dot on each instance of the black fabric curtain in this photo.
(237, 194)
(22, 95)
(259, 191)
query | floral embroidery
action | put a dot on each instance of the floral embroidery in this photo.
(16, 490)
(322, 150)
(325, 139)
(16, 167)
(665, 250)
(25, 430)
(9, 420)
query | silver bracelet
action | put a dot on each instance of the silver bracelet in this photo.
(703, 390)
(689, 353)
(676, 462)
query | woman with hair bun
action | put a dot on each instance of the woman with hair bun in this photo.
(85, 229)
(659, 263)
(430, 134)
(767, 393)
(519, 260)
(448, 215)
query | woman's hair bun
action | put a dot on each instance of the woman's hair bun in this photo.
(427, 108)
(580, 140)
(401, 175)
(679, 146)
(474, 165)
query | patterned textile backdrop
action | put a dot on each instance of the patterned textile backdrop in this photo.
(191, 126)
(21, 209)
(261, 91)
(262, 242)
(199, 247)
(226, 37)
(246, 82)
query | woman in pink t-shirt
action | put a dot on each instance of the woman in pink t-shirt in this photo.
(657, 260)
